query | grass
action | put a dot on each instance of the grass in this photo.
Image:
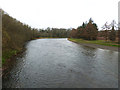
(99, 42)
(8, 54)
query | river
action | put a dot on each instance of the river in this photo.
(59, 63)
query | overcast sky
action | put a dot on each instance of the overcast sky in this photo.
(61, 13)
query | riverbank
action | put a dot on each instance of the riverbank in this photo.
(97, 44)
(8, 60)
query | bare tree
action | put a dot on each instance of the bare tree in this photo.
(106, 27)
(112, 34)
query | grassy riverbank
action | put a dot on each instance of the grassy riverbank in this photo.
(14, 36)
(8, 54)
(99, 42)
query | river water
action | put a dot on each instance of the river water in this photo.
(59, 63)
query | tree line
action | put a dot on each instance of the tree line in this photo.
(54, 32)
(14, 35)
(89, 31)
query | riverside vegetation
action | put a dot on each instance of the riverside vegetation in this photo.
(14, 35)
(88, 33)
(99, 42)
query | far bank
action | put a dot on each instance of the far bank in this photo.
(97, 44)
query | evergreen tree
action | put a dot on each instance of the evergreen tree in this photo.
(91, 30)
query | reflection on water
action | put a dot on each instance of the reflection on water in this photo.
(59, 63)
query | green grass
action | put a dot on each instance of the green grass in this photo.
(8, 54)
(99, 42)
